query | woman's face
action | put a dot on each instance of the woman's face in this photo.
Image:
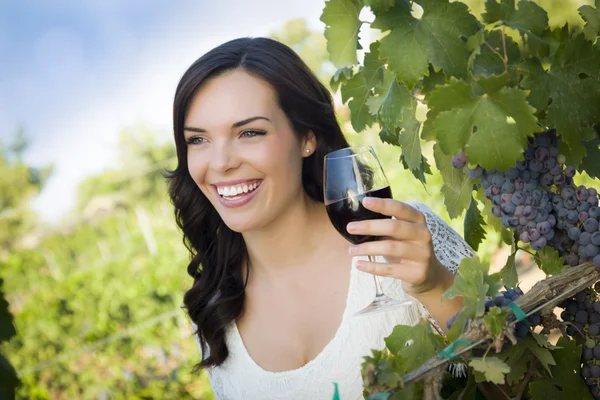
(242, 151)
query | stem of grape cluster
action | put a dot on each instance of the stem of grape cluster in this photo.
(505, 58)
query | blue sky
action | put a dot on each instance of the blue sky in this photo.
(73, 73)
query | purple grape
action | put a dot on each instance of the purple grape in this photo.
(582, 193)
(506, 198)
(572, 259)
(591, 225)
(570, 171)
(475, 173)
(539, 244)
(596, 238)
(596, 262)
(459, 160)
(585, 238)
(512, 174)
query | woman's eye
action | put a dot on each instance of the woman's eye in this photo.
(195, 140)
(250, 134)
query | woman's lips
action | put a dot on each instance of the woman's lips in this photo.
(239, 200)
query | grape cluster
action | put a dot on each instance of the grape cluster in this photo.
(503, 300)
(582, 316)
(537, 197)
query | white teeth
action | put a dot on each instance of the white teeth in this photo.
(235, 190)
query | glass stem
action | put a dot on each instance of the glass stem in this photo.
(378, 288)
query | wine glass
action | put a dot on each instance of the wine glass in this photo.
(351, 174)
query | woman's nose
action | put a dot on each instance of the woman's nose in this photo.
(223, 157)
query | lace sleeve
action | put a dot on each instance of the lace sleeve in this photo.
(449, 247)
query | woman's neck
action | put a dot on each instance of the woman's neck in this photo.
(291, 240)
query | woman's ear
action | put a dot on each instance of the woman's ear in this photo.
(309, 144)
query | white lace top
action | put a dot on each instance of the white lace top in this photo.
(239, 377)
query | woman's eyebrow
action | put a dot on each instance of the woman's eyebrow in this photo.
(235, 125)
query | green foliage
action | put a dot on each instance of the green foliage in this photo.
(492, 368)
(549, 261)
(342, 26)
(474, 232)
(473, 284)
(495, 319)
(564, 375)
(435, 38)
(8, 375)
(19, 183)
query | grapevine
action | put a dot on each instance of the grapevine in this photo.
(512, 108)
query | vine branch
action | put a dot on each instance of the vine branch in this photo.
(548, 292)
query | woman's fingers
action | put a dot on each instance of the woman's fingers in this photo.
(393, 249)
(394, 208)
(407, 272)
(397, 229)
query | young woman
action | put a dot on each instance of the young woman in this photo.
(275, 285)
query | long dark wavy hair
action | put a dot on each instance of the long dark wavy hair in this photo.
(218, 254)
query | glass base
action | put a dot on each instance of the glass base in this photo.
(382, 303)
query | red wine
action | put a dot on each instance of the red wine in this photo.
(342, 212)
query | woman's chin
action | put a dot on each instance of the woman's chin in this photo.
(241, 226)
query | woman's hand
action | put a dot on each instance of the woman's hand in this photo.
(406, 245)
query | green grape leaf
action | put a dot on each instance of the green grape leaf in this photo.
(432, 80)
(413, 344)
(591, 16)
(543, 355)
(492, 128)
(357, 90)
(388, 373)
(574, 152)
(572, 84)
(470, 283)
(409, 139)
(516, 357)
(457, 201)
(419, 173)
(486, 62)
(434, 38)
(341, 76)
(495, 320)
(542, 341)
(457, 186)
(590, 163)
(473, 226)
(390, 136)
(509, 272)
(373, 67)
(341, 30)
(459, 324)
(379, 6)
(396, 99)
(452, 177)
(493, 368)
(380, 92)
(529, 19)
(566, 378)
(549, 261)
